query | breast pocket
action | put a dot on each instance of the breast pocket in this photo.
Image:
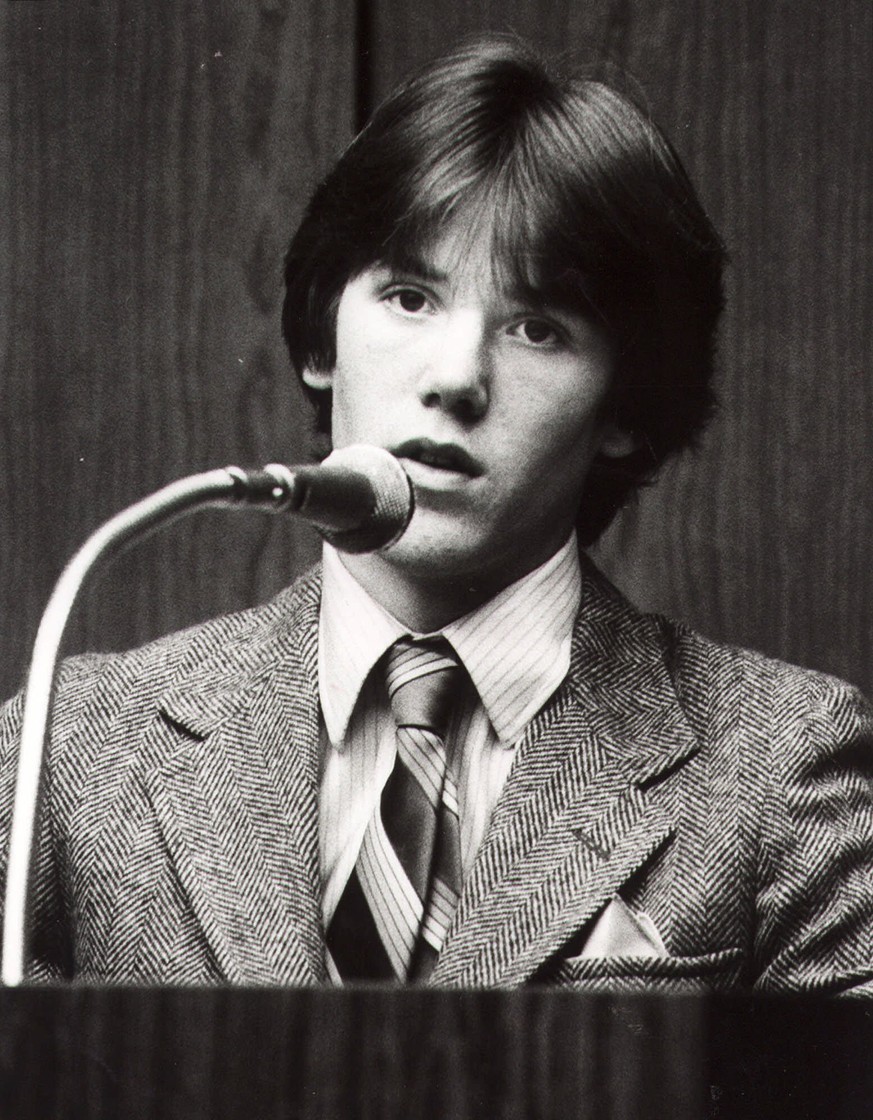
(710, 972)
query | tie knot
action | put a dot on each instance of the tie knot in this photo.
(422, 678)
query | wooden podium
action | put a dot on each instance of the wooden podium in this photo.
(162, 1054)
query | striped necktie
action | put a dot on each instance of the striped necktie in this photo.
(392, 918)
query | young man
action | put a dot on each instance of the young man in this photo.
(466, 760)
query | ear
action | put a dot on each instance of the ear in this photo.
(615, 442)
(319, 379)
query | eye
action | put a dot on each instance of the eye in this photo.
(410, 301)
(538, 332)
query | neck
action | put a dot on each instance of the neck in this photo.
(424, 603)
(422, 606)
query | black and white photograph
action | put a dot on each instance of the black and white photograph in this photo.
(436, 527)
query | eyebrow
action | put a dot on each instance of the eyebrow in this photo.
(415, 266)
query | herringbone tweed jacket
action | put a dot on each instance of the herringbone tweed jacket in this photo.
(725, 795)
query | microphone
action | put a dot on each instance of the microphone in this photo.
(360, 498)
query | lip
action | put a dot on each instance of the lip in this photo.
(444, 458)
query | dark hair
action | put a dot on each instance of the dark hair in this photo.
(590, 210)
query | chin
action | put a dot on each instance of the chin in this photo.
(436, 551)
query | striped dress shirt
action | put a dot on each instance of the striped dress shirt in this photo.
(516, 651)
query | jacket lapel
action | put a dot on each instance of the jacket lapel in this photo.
(581, 811)
(234, 787)
(236, 797)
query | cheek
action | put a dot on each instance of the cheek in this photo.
(360, 403)
(570, 413)
(560, 428)
(346, 416)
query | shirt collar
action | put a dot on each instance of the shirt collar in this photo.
(513, 677)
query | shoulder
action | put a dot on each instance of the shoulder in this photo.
(245, 634)
(797, 744)
(93, 688)
(727, 693)
(764, 696)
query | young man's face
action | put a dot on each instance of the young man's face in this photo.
(492, 406)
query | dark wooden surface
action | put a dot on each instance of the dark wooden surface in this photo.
(164, 1054)
(156, 161)
(157, 158)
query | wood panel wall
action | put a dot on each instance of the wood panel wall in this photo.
(155, 160)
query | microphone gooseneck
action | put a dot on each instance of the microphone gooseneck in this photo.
(360, 499)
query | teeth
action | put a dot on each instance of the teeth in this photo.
(441, 459)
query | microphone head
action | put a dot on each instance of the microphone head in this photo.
(392, 505)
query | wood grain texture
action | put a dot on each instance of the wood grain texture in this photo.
(213, 1054)
(764, 537)
(401, 1055)
(156, 160)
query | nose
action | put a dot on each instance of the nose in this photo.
(457, 374)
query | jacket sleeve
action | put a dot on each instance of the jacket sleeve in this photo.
(814, 930)
(48, 932)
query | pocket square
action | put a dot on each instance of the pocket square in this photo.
(623, 932)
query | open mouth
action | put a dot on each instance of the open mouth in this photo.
(439, 456)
